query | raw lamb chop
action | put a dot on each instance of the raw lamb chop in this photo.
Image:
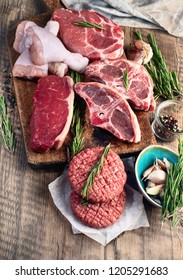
(110, 111)
(93, 43)
(111, 72)
(53, 108)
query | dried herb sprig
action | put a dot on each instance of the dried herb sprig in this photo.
(125, 79)
(172, 208)
(6, 132)
(88, 24)
(94, 171)
(166, 82)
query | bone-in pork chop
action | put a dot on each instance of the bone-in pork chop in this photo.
(139, 92)
(93, 43)
(109, 110)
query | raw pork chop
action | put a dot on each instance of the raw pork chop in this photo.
(109, 110)
(93, 43)
(53, 108)
(111, 72)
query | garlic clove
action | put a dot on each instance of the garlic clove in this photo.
(157, 176)
(147, 172)
(150, 184)
(167, 164)
(154, 190)
(161, 164)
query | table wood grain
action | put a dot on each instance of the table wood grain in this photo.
(31, 227)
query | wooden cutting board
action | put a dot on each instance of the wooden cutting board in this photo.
(94, 136)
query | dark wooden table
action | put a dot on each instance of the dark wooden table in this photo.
(31, 227)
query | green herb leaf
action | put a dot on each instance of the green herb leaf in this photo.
(88, 24)
(94, 171)
(125, 79)
(166, 82)
(173, 196)
(138, 35)
(7, 135)
(77, 142)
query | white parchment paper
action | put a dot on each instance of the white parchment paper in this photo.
(133, 216)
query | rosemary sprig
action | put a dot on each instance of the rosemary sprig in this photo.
(173, 196)
(6, 132)
(138, 35)
(94, 171)
(88, 24)
(125, 79)
(166, 82)
(77, 142)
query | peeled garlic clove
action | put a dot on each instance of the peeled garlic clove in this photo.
(150, 184)
(161, 164)
(157, 176)
(155, 190)
(147, 172)
(167, 164)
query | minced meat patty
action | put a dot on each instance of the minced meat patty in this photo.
(98, 215)
(108, 184)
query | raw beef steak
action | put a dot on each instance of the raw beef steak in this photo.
(93, 43)
(53, 108)
(109, 110)
(98, 215)
(107, 185)
(111, 72)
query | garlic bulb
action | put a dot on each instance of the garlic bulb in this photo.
(140, 52)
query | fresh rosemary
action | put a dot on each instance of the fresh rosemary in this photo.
(166, 82)
(77, 142)
(94, 171)
(125, 79)
(7, 135)
(173, 197)
(88, 24)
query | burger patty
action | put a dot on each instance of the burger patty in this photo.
(98, 215)
(107, 185)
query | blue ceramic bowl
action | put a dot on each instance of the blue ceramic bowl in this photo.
(145, 159)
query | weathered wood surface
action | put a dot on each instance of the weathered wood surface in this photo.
(30, 225)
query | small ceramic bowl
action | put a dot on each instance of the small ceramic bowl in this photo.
(168, 122)
(145, 159)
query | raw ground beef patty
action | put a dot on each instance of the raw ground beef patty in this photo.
(98, 215)
(107, 185)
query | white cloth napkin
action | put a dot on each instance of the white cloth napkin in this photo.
(158, 14)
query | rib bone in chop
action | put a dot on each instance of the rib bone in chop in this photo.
(53, 108)
(93, 43)
(110, 111)
(111, 72)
